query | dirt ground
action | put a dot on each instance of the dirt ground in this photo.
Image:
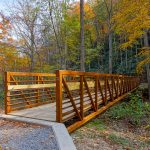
(105, 134)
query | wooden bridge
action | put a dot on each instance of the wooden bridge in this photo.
(68, 97)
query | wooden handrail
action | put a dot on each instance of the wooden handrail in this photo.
(20, 87)
(82, 98)
(106, 88)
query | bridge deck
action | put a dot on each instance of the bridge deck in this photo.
(44, 112)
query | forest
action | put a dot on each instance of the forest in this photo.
(43, 36)
(102, 36)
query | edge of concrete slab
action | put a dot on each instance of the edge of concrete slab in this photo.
(63, 138)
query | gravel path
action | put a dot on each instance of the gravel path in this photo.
(21, 136)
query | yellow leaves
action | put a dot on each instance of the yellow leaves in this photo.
(5, 26)
(73, 24)
(132, 17)
(1, 58)
(141, 64)
(145, 52)
(89, 13)
(8, 54)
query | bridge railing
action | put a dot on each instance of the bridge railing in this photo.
(79, 96)
(26, 90)
(78, 93)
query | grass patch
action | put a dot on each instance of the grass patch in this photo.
(128, 143)
(148, 142)
(120, 140)
(1, 99)
(98, 124)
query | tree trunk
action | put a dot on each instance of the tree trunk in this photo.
(65, 58)
(136, 51)
(32, 61)
(146, 44)
(110, 52)
(126, 61)
(82, 48)
(148, 79)
(121, 60)
(109, 9)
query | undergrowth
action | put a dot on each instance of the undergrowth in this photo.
(134, 111)
(120, 140)
(98, 124)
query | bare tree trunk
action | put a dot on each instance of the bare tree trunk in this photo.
(146, 44)
(82, 48)
(32, 61)
(110, 52)
(59, 46)
(148, 79)
(131, 60)
(48, 56)
(115, 51)
(121, 60)
(109, 9)
(136, 51)
(32, 50)
(126, 60)
(66, 45)
(66, 49)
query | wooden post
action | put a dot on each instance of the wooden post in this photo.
(7, 93)
(127, 84)
(123, 84)
(81, 97)
(112, 84)
(59, 96)
(130, 83)
(96, 92)
(120, 85)
(117, 86)
(38, 91)
(105, 103)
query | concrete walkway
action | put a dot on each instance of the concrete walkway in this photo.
(62, 136)
(44, 112)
